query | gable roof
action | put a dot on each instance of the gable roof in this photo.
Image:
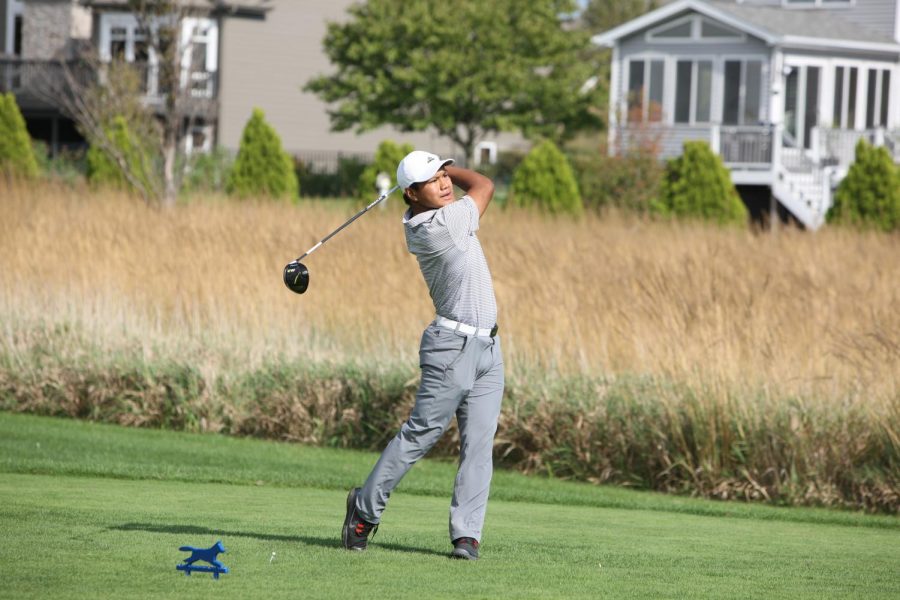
(774, 25)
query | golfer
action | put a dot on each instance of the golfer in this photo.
(462, 368)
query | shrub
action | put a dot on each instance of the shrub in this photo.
(630, 182)
(104, 168)
(545, 179)
(207, 171)
(262, 166)
(387, 157)
(697, 184)
(342, 183)
(870, 193)
(16, 153)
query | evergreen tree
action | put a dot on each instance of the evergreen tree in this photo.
(545, 179)
(698, 185)
(262, 167)
(16, 151)
(387, 157)
(870, 193)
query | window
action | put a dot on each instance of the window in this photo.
(122, 39)
(878, 86)
(711, 29)
(742, 93)
(12, 27)
(645, 90)
(694, 28)
(693, 91)
(845, 83)
(679, 31)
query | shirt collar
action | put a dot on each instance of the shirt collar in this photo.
(414, 221)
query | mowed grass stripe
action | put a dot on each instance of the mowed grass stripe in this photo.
(41, 445)
(89, 537)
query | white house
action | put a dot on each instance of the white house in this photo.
(781, 89)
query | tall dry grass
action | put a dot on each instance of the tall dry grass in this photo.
(740, 322)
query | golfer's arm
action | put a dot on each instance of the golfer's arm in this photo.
(476, 185)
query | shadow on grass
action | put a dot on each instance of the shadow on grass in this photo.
(329, 542)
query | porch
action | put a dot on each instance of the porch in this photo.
(802, 176)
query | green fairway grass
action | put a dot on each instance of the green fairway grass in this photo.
(96, 511)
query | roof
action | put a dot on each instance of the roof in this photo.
(774, 25)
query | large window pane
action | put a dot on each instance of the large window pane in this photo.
(790, 103)
(732, 103)
(683, 91)
(752, 92)
(681, 31)
(885, 96)
(811, 112)
(870, 98)
(635, 89)
(704, 91)
(838, 97)
(654, 109)
(851, 99)
(708, 29)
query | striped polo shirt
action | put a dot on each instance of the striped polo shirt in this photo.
(453, 262)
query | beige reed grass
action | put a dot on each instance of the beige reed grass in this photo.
(786, 312)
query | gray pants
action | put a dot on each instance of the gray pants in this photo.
(461, 375)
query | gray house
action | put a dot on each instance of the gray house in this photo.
(781, 89)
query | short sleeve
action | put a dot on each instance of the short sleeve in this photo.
(461, 220)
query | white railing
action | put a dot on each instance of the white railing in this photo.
(745, 145)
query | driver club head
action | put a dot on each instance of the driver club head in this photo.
(296, 277)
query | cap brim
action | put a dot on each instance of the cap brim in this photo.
(437, 167)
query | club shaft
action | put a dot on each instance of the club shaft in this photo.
(350, 220)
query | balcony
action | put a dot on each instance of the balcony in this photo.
(38, 85)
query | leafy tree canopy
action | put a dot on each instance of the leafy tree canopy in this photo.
(467, 68)
(601, 15)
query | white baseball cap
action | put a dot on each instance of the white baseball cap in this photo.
(418, 166)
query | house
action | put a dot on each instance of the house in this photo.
(781, 89)
(247, 54)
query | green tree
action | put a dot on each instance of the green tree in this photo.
(466, 69)
(262, 167)
(870, 193)
(387, 157)
(698, 185)
(16, 152)
(121, 158)
(545, 179)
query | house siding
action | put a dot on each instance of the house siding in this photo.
(265, 63)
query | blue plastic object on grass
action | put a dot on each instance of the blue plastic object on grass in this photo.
(205, 554)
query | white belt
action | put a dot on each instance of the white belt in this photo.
(466, 329)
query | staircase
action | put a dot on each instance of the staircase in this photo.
(803, 187)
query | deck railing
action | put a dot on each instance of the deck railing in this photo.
(746, 145)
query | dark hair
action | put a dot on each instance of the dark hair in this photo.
(414, 186)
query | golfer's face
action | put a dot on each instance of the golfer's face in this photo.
(436, 192)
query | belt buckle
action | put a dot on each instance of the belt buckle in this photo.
(494, 330)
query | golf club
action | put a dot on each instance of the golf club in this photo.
(296, 275)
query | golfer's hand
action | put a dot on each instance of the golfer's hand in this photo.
(476, 185)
